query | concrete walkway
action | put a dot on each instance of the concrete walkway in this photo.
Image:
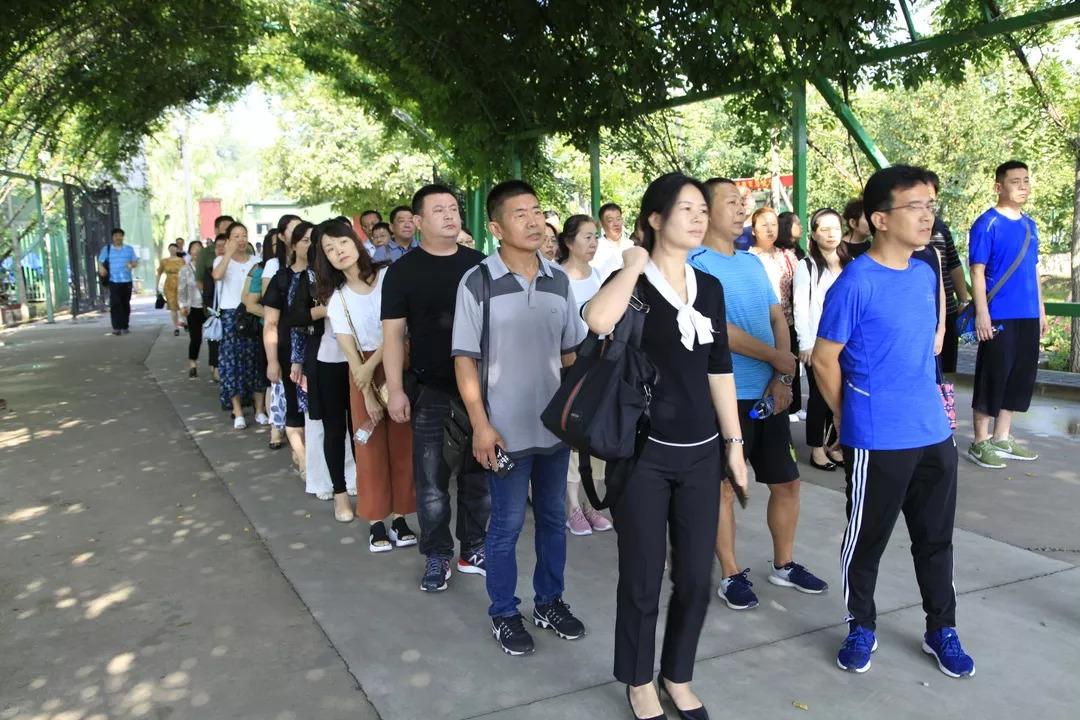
(420, 656)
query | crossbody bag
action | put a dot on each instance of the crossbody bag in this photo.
(965, 323)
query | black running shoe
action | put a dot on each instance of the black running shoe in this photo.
(436, 574)
(512, 635)
(557, 616)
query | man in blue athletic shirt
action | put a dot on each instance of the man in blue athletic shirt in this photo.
(1007, 363)
(874, 363)
(764, 365)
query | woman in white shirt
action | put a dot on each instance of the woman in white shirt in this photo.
(814, 276)
(577, 247)
(351, 287)
(236, 357)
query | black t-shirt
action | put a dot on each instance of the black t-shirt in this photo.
(276, 295)
(422, 289)
(682, 410)
(854, 250)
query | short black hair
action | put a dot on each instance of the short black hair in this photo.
(192, 244)
(608, 207)
(878, 193)
(221, 236)
(381, 226)
(551, 213)
(117, 230)
(504, 191)
(223, 218)
(852, 211)
(424, 192)
(172, 245)
(371, 212)
(1004, 168)
(935, 181)
(400, 209)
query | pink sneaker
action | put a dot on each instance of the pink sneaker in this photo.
(578, 524)
(598, 522)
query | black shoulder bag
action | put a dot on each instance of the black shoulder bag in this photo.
(602, 406)
(106, 279)
(458, 430)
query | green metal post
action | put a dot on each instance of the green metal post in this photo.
(42, 241)
(851, 123)
(798, 149)
(594, 169)
(907, 19)
(515, 161)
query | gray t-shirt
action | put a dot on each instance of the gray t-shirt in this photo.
(531, 327)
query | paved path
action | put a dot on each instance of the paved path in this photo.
(267, 596)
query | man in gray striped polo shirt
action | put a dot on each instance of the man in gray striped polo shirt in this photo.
(533, 332)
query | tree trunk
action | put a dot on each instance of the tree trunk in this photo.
(774, 147)
(1074, 285)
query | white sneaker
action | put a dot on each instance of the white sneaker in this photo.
(802, 415)
(239, 423)
(261, 419)
(325, 495)
(794, 417)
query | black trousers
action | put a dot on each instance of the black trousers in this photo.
(819, 418)
(880, 483)
(951, 349)
(333, 391)
(212, 348)
(673, 492)
(120, 305)
(195, 319)
(796, 383)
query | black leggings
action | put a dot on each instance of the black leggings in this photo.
(819, 418)
(195, 320)
(212, 347)
(333, 388)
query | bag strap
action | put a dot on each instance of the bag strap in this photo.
(352, 328)
(1015, 264)
(485, 333)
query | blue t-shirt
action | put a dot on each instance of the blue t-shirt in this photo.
(745, 241)
(995, 241)
(885, 318)
(118, 260)
(748, 294)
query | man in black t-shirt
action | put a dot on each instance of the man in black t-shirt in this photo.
(418, 296)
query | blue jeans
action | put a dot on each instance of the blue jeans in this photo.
(508, 496)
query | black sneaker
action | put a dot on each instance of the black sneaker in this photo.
(557, 616)
(512, 635)
(436, 574)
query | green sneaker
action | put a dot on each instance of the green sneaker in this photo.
(985, 454)
(1009, 448)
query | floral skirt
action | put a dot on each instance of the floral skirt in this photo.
(237, 366)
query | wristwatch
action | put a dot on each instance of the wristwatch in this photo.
(786, 379)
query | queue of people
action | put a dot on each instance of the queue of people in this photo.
(362, 349)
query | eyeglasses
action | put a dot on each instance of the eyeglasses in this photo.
(919, 207)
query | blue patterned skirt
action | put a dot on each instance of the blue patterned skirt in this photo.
(237, 364)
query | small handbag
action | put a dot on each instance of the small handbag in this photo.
(948, 395)
(106, 279)
(247, 325)
(212, 323)
(458, 430)
(160, 302)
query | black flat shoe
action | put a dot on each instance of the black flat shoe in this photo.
(827, 466)
(696, 714)
(631, 704)
(838, 463)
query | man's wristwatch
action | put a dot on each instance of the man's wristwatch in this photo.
(786, 379)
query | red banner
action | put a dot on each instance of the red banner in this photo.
(764, 183)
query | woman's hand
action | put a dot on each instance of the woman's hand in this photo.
(273, 371)
(296, 370)
(374, 408)
(737, 462)
(362, 376)
(804, 357)
(635, 258)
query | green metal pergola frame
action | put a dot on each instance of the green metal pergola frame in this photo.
(988, 28)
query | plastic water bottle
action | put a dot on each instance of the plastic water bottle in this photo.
(762, 408)
(363, 433)
(971, 338)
